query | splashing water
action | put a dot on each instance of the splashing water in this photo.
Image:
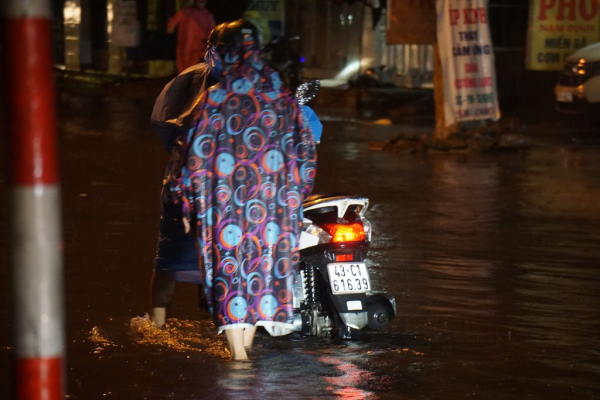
(180, 335)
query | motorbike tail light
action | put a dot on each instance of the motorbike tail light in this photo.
(344, 257)
(346, 233)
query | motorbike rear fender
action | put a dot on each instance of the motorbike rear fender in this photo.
(345, 303)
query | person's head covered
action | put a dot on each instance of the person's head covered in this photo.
(233, 38)
(234, 53)
(199, 4)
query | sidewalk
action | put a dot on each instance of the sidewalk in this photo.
(388, 110)
(374, 103)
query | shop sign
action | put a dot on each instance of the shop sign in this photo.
(557, 28)
(467, 60)
(125, 25)
(271, 10)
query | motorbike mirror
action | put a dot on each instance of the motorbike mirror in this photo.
(307, 91)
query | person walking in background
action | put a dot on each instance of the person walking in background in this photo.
(176, 255)
(193, 25)
(250, 163)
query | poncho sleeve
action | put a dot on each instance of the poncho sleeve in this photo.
(184, 187)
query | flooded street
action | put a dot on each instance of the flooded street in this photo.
(494, 261)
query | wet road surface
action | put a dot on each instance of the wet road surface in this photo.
(494, 260)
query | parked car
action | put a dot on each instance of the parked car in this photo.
(578, 88)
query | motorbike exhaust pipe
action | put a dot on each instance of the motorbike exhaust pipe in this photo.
(380, 309)
(378, 318)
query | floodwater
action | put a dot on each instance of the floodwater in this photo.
(494, 261)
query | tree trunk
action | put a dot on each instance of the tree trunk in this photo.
(441, 132)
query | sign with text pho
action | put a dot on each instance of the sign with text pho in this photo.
(467, 61)
(557, 28)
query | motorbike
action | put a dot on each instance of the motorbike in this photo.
(280, 54)
(333, 294)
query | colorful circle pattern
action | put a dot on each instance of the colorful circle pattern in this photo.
(250, 163)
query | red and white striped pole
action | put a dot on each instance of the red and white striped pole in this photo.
(37, 317)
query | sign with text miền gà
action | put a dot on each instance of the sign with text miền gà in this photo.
(467, 61)
(411, 22)
(557, 28)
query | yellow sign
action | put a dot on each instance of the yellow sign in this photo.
(273, 11)
(557, 28)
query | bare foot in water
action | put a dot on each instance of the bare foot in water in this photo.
(235, 339)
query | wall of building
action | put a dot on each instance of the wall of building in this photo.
(330, 36)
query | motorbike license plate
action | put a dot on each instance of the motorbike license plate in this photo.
(564, 97)
(349, 278)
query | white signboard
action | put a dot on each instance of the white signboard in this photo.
(467, 60)
(125, 26)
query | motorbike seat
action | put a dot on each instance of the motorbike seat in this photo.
(323, 196)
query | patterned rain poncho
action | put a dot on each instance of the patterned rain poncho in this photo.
(251, 162)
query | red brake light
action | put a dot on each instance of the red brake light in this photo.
(346, 233)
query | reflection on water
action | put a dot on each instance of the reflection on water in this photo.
(345, 385)
(303, 369)
(493, 258)
(495, 272)
(237, 380)
(494, 261)
(289, 367)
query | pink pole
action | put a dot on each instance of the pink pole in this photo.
(37, 315)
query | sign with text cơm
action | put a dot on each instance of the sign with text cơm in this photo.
(411, 22)
(557, 28)
(467, 59)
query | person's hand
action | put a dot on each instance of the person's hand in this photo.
(186, 224)
(177, 145)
